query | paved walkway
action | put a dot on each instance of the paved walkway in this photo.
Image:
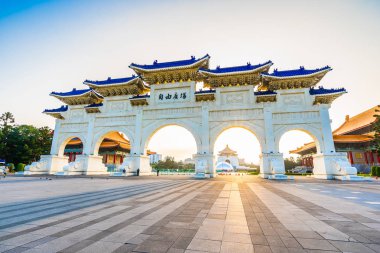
(177, 214)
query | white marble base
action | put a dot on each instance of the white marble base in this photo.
(26, 173)
(200, 175)
(280, 177)
(353, 178)
(117, 174)
(333, 165)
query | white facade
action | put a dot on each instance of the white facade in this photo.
(234, 106)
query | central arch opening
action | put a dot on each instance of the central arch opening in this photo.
(237, 150)
(171, 149)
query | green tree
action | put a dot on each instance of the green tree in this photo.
(291, 163)
(376, 128)
(6, 120)
(25, 143)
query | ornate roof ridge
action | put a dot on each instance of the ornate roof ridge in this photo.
(241, 68)
(322, 91)
(74, 92)
(171, 64)
(301, 72)
(109, 80)
(63, 108)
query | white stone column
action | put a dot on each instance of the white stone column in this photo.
(88, 163)
(269, 134)
(55, 145)
(137, 159)
(328, 141)
(271, 161)
(89, 136)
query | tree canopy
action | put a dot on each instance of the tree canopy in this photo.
(376, 128)
(22, 143)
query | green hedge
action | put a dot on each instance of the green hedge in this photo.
(375, 171)
(20, 167)
(11, 167)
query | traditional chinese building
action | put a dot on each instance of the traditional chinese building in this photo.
(353, 137)
(229, 156)
(266, 103)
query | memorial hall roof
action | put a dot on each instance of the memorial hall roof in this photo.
(227, 151)
(170, 65)
(361, 120)
(337, 139)
(296, 73)
(236, 69)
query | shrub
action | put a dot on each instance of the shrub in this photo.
(20, 167)
(373, 170)
(11, 167)
(378, 171)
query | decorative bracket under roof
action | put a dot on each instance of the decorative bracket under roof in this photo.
(93, 108)
(170, 72)
(79, 97)
(292, 79)
(120, 86)
(233, 76)
(204, 95)
(265, 96)
(139, 100)
(326, 96)
(56, 113)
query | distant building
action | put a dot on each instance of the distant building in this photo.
(155, 158)
(229, 156)
(354, 137)
(189, 161)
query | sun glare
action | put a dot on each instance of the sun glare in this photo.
(242, 141)
(173, 141)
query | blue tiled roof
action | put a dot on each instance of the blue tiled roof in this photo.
(74, 92)
(320, 91)
(94, 105)
(204, 91)
(265, 93)
(140, 96)
(112, 81)
(160, 65)
(246, 67)
(63, 108)
(295, 72)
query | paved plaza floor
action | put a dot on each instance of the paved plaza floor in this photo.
(179, 214)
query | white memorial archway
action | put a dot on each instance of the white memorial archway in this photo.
(161, 94)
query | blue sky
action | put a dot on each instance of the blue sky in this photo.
(55, 45)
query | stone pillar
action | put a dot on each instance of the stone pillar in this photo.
(271, 162)
(137, 159)
(204, 160)
(54, 145)
(87, 146)
(204, 165)
(328, 141)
